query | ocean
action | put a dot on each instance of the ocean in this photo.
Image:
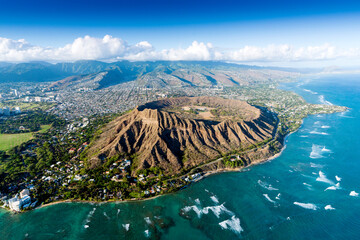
(309, 192)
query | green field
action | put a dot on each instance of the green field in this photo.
(8, 141)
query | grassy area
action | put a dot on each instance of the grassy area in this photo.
(25, 106)
(8, 141)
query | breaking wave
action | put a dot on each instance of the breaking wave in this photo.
(323, 101)
(268, 198)
(322, 178)
(233, 224)
(147, 233)
(216, 210)
(318, 133)
(88, 218)
(317, 151)
(126, 226)
(309, 91)
(329, 207)
(354, 194)
(307, 205)
(267, 186)
(214, 199)
(147, 220)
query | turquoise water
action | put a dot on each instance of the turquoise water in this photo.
(257, 203)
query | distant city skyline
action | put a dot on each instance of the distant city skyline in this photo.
(280, 33)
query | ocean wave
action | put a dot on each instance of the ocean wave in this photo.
(309, 91)
(147, 220)
(325, 126)
(354, 194)
(323, 101)
(126, 226)
(147, 233)
(315, 165)
(196, 209)
(233, 224)
(267, 186)
(318, 133)
(197, 201)
(108, 218)
(268, 198)
(329, 207)
(278, 196)
(216, 210)
(307, 205)
(214, 199)
(322, 178)
(338, 178)
(88, 218)
(316, 151)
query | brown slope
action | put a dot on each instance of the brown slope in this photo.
(164, 139)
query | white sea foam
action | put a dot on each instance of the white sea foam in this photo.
(318, 133)
(126, 226)
(312, 92)
(86, 226)
(267, 186)
(118, 211)
(338, 178)
(323, 101)
(147, 220)
(196, 209)
(214, 199)
(288, 218)
(233, 224)
(306, 184)
(322, 178)
(307, 205)
(329, 207)
(316, 151)
(354, 194)
(324, 149)
(217, 210)
(331, 188)
(106, 216)
(197, 201)
(324, 126)
(278, 196)
(147, 233)
(268, 198)
(315, 165)
(89, 216)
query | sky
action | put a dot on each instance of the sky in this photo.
(279, 33)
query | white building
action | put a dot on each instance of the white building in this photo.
(17, 203)
(17, 110)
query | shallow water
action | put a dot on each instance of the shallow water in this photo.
(281, 199)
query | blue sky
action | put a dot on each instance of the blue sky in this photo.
(173, 24)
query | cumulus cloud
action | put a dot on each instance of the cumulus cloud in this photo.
(112, 48)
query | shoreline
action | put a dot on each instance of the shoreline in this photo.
(205, 175)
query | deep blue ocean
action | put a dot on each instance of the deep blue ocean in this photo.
(309, 192)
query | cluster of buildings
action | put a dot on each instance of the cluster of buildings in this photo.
(19, 201)
(6, 111)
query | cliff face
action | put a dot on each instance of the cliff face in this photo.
(165, 139)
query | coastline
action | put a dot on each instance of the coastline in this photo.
(206, 174)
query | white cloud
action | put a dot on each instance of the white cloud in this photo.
(111, 48)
